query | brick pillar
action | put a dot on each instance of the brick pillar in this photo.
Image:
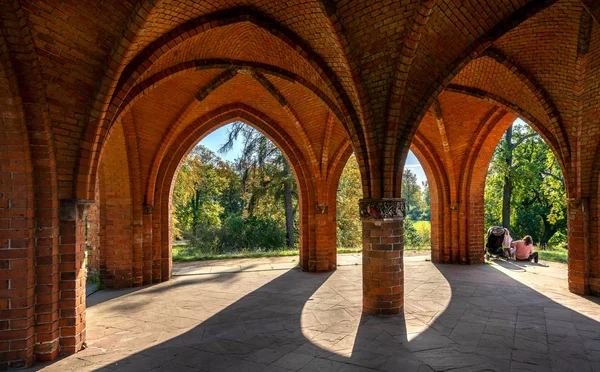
(47, 287)
(383, 248)
(138, 241)
(16, 273)
(325, 255)
(72, 274)
(156, 247)
(579, 245)
(147, 244)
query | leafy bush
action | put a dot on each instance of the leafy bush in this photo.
(236, 234)
(411, 236)
(558, 240)
(252, 233)
(263, 233)
(203, 238)
(424, 231)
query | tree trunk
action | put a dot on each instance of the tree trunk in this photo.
(506, 195)
(507, 192)
(196, 207)
(549, 231)
(289, 211)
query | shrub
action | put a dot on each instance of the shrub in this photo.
(203, 238)
(253, 233)
(424, 231)
(411, 236)
(558, 240)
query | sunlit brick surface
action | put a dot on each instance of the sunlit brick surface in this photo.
(100, 101)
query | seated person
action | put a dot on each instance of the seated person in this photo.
(524, 249)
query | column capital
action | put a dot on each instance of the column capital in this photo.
(73, 209)
(148, 208)
(322, 208)
(576, 204)
(382, 209)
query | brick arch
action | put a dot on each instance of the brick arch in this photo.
(461, 235)
(187, 140)
(255, 69)
(550, 109)
(336, 168)
(466, 221)
(119, 260)
(539, 127)
(97, 129)
(191, 66)
(439, 191)
(425, 100)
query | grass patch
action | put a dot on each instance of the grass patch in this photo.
(183, 254)
(349, 250)
(554, 255)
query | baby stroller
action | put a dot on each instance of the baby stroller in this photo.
(493, 246)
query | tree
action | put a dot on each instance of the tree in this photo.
(508, 148)
(265, 173)
(536, 198)
(411, 193)
(425, 204)
(349, 226)
(196, 192)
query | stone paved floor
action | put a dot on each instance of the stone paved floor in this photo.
(500, 317)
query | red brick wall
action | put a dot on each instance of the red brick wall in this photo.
(116, 251)
(17, 225)
(364, 72)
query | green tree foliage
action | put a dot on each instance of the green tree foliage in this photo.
(411, 236)
(266, 176)
(537, 199)
(197, 192)
(416, 197)
(426, 202)
(349, 227)
(223, 207)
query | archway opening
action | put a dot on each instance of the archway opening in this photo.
(525, 192)
(415, 192)
(417, 223)
(234, 196)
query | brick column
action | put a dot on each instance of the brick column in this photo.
(72, 274)
(325, 257)
(383, 248)
(147, 244)
(138, 241)
(579, 245)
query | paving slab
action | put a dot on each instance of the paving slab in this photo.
(266, 315)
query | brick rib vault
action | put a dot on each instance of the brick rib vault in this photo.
(100, 102)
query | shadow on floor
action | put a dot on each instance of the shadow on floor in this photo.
(471, 318)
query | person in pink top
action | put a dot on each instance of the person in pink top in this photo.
(524, 249)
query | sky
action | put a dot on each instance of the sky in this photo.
(216, 139)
